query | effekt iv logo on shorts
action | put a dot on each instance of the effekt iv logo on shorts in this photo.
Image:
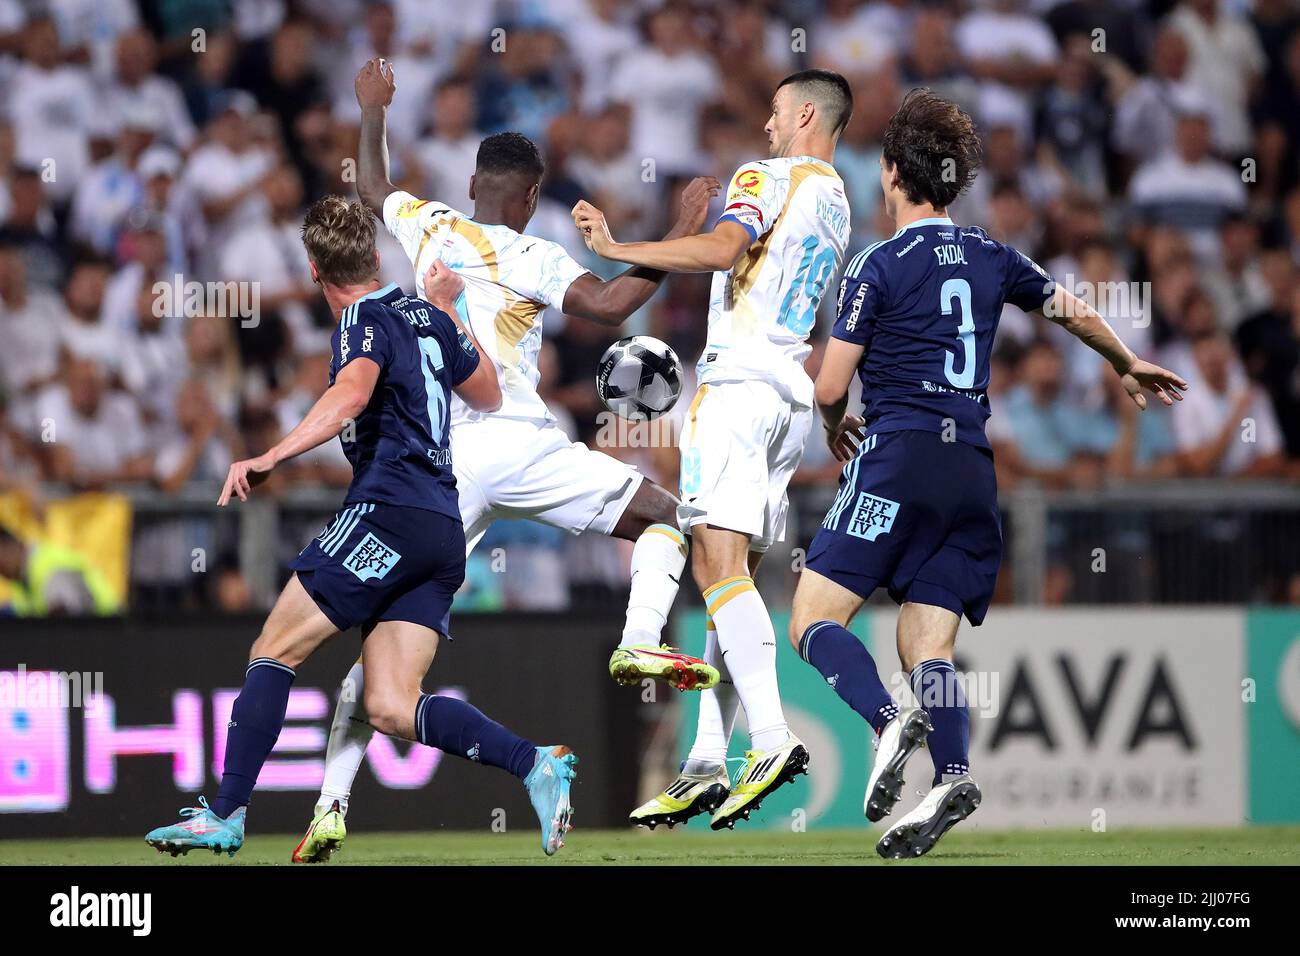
(872, 517)
(371, 559)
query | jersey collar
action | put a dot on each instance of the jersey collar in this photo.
(932, 221)
(379, 293)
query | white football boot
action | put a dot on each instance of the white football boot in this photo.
(902, 737)
(943, 807)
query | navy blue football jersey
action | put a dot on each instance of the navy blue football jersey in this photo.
(400, 446)
(925, 304)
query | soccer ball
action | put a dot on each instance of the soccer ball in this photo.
(639, 377)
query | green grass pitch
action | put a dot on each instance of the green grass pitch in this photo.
(1250, 846)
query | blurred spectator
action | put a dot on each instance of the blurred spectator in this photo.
(226, 173)
(52, 108)
(136, 89)
(1225, 427)
(113, 186)
(848, 38)
(667, 84)
(1145, 113)
(30, 357)
(1225, 61)
(1186, 187)
(1036, 431)
(93, 437)
(1269, 343)
(31, 228)
(81, 331)
(446, 157)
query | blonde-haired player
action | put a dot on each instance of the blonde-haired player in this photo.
(515, 461)
(775, 249)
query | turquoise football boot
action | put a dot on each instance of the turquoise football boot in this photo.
(548, 789)
(200, 829)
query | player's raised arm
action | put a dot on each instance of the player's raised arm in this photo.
(1087, 325)
(714, 251)
(375, 86)
(342, 402)
(611, 302)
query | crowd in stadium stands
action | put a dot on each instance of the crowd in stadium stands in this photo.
(1147, 153)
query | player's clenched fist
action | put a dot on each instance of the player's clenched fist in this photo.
(697, 195)
(591, 223)
(443, 287)
(375, 84)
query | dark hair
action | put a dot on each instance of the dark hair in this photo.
(829, 91)
(509, 153)
(932, 145)
(340, 240)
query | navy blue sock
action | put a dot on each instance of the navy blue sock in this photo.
(937, 689)
(848, 667)
(255, 722)
(459, 729)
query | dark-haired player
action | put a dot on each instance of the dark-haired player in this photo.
(393, 557)
(515, 461)
(917, 509)
(778, 244)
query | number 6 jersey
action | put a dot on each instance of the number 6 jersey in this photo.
(925, 304)
(761, 311)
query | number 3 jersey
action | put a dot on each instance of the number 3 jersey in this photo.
(762, 310)
(925, 304)
(399, 445)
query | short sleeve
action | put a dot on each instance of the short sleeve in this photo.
(363, 333)
(543, 272)
(407, 217)
(855, 310)
(753, 199)
(1028, 285)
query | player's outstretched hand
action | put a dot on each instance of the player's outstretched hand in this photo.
(595, 231)
(1162, 382)
(696, 197)
(375, 84)
(843, 440)
(443, 287)
(244, 476)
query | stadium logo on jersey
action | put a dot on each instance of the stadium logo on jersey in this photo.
(872, 517)
(371, 559)
(748, 182)
(859, 297)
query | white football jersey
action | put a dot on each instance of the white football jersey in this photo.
(762, 311)
(510, 279)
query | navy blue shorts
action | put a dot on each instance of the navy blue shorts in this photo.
(378, 562)
(919, 516)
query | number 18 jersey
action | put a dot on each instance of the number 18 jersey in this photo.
(761, 311)
(925, 304)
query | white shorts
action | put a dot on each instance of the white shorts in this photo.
(740, 446)
(514, 468)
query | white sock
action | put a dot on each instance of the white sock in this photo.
(719, 708)
(349, 737)
(746, 637)
(658, 558)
